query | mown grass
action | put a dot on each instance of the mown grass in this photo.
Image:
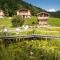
(54, 21)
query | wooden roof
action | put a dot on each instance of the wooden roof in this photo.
(43, 13)
(23, 10)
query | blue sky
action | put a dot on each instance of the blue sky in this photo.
(51, 5)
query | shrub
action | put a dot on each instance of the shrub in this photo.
(17, 21)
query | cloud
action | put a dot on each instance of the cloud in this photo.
(51, 10)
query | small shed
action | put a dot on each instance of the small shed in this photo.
(42, 18)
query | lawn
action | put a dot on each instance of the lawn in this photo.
(54, 21)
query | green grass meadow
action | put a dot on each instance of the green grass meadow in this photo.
(54, 21)
(6, 21)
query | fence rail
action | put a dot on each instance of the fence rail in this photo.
(34, 36)
(31, 32)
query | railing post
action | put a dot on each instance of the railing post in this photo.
(5, 31)
(17, 31)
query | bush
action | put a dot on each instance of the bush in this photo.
(17, 21)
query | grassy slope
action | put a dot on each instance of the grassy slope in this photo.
(51, 21)
(54, 21)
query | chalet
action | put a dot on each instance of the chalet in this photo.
(43, 18)
(1, 13)
(24, 13)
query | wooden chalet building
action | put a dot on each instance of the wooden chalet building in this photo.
(42, 18)
(24, 13)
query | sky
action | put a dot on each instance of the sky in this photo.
(49, 5)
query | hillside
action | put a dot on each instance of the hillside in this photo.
(10, 7)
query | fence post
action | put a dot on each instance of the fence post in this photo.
(5, 31)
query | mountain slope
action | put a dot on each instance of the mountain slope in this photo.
(10, 6)
(55, 14)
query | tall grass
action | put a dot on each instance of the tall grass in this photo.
(31, 50)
